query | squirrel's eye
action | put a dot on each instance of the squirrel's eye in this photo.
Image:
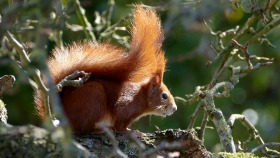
(164, 95)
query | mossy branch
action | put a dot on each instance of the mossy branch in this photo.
(205, 95)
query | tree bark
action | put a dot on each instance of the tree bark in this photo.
(31, 141)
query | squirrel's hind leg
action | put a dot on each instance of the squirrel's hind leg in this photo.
(85, 106)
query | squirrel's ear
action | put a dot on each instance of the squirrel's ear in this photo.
(154, 83)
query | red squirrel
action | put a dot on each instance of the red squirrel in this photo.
(122, 87)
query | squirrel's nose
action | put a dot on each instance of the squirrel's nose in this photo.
(171, 109)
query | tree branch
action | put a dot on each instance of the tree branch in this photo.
(32, 141)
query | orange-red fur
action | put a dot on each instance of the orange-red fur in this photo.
(122, 87)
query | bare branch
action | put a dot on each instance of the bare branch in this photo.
(266, 29)
(254, 134)
(203, 126)
(194, 115)
(76, 79)
(261, 147)
(20, 49)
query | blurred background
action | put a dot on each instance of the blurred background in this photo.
(187, 47)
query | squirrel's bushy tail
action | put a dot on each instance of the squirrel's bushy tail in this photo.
(144, 59)
(101, 60)
(147, 38)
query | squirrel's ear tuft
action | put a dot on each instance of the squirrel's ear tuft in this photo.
(154, 83)
(156, 80)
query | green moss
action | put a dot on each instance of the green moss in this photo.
(237, 155)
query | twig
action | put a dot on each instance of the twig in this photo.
(71, 80)
(254, 134)
(267, 5)
(58, 19)
(266, 29)
(116, 151)
(222, 67)
(85, 23)
(193, 116)
(109, 28)
(192, 98)
(41, 86)
(271, 4)
(256, 67)
(22, 53)
(261, 147)
(228, 86)
(111, 4)
(244, 49)
(203, 126)
(226, 52)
